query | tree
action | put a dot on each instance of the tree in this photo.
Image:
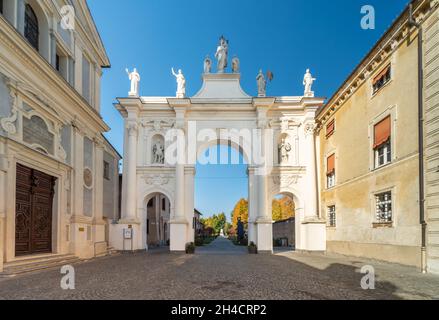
(240, 211)
(283, 208)
(216, 222)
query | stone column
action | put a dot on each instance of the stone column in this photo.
(21, 6)
(98, 221)
(97, 88)
(71, 68)
(3, 171)
(52, 49)
(78, 165)
(129, 212)
(311, 210)
(264, 220)
(79, 244)
(189, 175)
(252, 205)
(158, 205)
(313, 229)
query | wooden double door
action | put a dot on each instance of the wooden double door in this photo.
(34, 204)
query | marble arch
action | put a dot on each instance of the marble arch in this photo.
(221, 104)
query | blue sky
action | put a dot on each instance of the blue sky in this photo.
(283, 36)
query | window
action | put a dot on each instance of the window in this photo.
(382, 142)
(381, 79)
(57, 62)
(384, 207)
(332, 221)
(106, 170)
(151, 203)
(147, 226)
(1, 6)
(330, 128)
(163, 204)
(330, 174)
(31, 30)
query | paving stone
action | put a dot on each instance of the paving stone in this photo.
(223, 271)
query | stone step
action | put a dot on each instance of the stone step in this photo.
(110, 252)
(33, 264)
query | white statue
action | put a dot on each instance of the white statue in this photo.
(135, 79)
(221, 54)
(262, 84)
(284, 151)
(308, 81)
(235, 64)
(158, 153)
(181, 83)
(207, 65)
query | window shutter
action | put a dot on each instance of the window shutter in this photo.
(330, 165)
(381, 75)
(382, 132)
(330, 128)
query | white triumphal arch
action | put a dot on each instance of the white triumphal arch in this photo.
(164, 137)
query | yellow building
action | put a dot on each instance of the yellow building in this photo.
(369, 149)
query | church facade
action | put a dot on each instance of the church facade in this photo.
(58, 174)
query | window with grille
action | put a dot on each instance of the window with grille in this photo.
(332, 221)
(31, 29)
(384, 207)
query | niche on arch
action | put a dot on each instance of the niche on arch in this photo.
(285, 149)
(158, 150)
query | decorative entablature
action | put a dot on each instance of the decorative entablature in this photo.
(286, 178)
(381, 52)
(156, 179)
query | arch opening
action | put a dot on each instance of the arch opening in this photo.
(157, 216)
(283, 210)
(221, 183)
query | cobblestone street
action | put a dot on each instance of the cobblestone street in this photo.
(223, 271)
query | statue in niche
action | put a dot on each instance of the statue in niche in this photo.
(135, 79)
(262, 84)
(284, 151)
(207, 65)
(221, 54)
(308, 81)
(181, 83)
(235, 64)
(158, 153)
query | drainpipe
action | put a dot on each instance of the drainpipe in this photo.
(413, 23)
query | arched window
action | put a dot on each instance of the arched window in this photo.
(31, 31)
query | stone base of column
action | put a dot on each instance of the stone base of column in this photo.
(178, 235)
(81, 246)
(314, 235)
(120, 238)
(252, 232)
(264, 229)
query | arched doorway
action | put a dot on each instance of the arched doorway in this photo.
(283, 209)
(221, 183)
(158, 215)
